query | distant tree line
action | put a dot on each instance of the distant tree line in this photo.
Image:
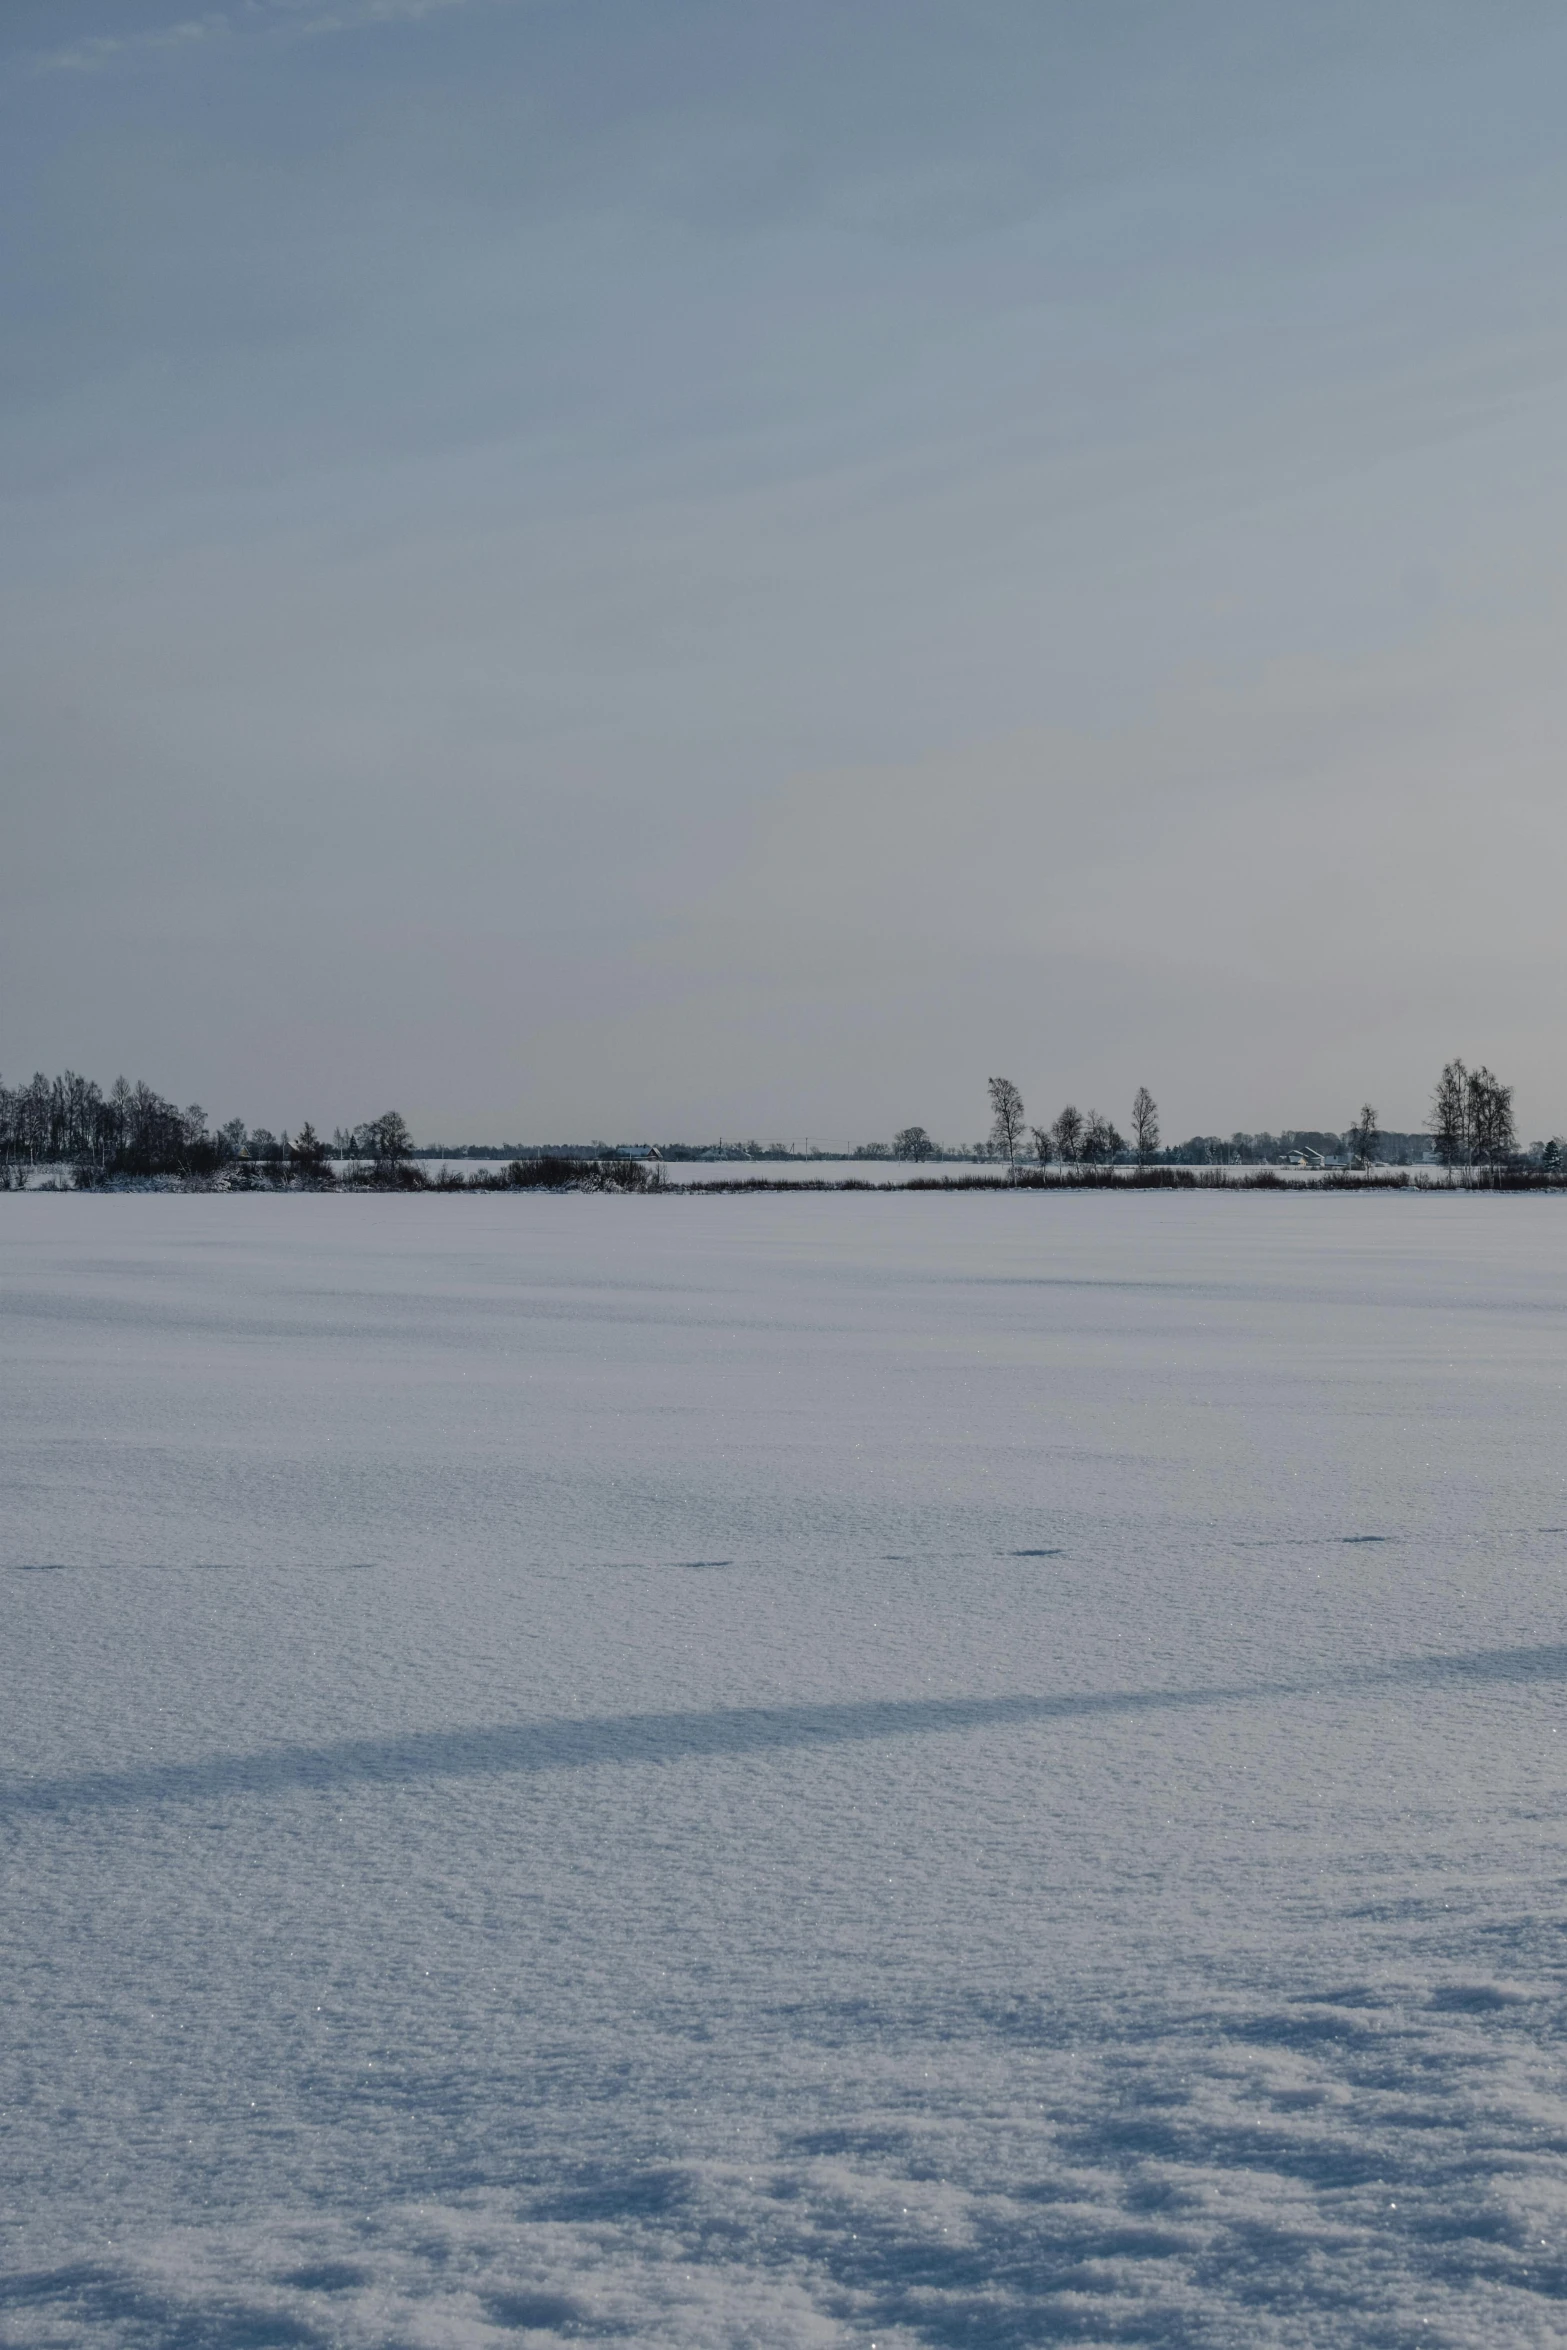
(132, 1131)
(1471, 1128)
(54, 1121)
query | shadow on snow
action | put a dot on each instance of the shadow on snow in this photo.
(494, 1749)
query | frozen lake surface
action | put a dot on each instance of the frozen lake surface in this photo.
(774, 1772)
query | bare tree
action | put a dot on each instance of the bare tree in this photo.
(1044, 1144)
(1489, 1103)
(912, 1142)
(1449, 1120)
(1006, 1119)
(1100, 1144)
(1145, 1125)
(33, 1105)
(1068, 1135)
(387, 1140)
(1363, 1137)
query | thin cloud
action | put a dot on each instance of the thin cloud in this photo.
(298, 17)
(104, 49)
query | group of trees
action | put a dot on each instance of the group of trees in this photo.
(913, 1143)
(1472, 1119)
(1471, 1127)
(130, 1130)
(1076, 1139)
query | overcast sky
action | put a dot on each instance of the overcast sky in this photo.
(657, 569)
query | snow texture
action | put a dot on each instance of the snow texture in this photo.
(782, 1772)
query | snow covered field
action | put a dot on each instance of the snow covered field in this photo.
(783, 1772)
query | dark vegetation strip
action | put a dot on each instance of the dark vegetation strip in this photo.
(131, 1136)
(1151, 1179)
(633, 1175)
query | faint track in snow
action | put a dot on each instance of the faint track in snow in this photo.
(497, 1749)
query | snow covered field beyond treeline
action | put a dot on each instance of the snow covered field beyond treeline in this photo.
(782, 1777)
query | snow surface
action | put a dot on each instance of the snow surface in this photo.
(783, 1771)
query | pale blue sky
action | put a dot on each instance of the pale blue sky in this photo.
(662, 569)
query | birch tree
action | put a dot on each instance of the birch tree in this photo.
(1449, 1120)
(1145, 1125)
(1006, 1119)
